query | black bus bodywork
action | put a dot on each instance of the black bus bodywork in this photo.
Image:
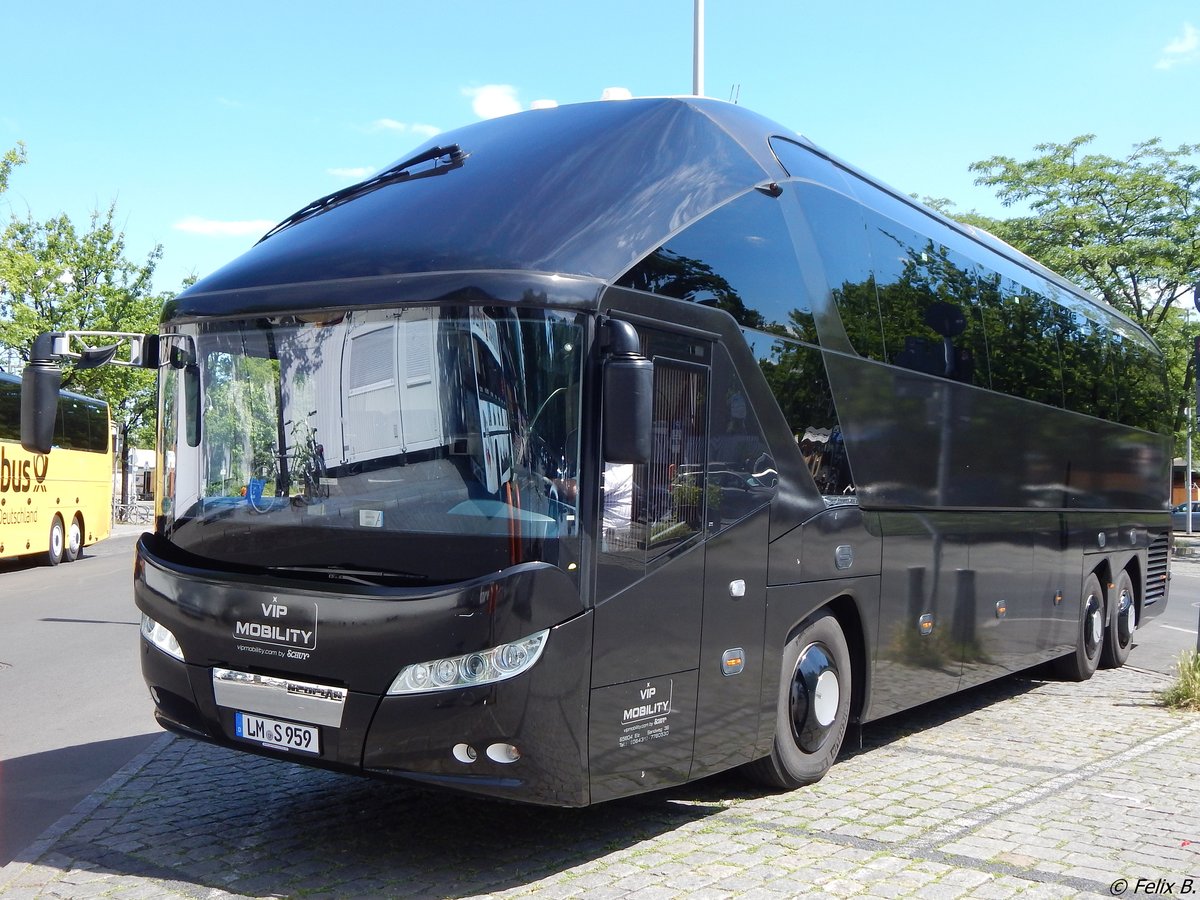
(888, 458)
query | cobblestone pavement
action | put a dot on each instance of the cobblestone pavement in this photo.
(1022, 789)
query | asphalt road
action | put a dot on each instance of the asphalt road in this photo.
(1161, 640)
(75, 709)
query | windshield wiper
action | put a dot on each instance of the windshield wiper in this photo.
(444, 159)
(369, 577)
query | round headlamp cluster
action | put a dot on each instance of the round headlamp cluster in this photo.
(161, 637)
(471, 669)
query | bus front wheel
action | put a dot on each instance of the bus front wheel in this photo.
(58, 541)
(74, 545)
(813, 708)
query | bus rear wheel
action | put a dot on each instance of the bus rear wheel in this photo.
(813, 709)
(1081, 664)
(74, 545)
(1122, 623)
(58, 541)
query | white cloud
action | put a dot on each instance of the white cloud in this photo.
(217, 228)
(616, 93)
(1182, 50)
(493, 100)
(418, 128)
(354, 172)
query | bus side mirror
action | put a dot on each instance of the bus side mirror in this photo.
(628, 398)
(39, 396)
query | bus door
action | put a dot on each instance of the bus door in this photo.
(650, 583)
(740, 484)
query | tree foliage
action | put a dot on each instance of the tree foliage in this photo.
(1126, 229)
(56, 277)
(11, 159)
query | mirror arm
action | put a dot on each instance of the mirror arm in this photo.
(56, 345)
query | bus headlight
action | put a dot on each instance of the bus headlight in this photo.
(482, 667)
(161, 637)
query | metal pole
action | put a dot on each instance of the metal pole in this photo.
(1196, 382)
(1188, 475)
(698, 50)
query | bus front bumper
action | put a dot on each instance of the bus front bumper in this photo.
(524, 738)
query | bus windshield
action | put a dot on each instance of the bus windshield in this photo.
(414, 445)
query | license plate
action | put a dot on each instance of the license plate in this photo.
(274, 733)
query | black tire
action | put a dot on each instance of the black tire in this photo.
(58, 541)
(1122, 623)
(1081, 664)
(73, 549)
(813, 708)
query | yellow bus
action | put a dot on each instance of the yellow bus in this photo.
(55, 504)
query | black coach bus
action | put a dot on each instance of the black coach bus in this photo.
(596, 449)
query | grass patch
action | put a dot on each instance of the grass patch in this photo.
(1185, 692)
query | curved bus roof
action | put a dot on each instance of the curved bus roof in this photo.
(583, 191)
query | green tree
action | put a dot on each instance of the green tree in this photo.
(54, 277)
(11, 159)
(1126, 229)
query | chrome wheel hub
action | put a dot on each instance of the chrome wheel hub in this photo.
(815, 697)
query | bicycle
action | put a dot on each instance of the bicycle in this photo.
(305, 464)
(131, 513)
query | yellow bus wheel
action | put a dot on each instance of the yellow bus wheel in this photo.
(58, 541)
(74, 545)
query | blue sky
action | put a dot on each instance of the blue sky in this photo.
(207, 123)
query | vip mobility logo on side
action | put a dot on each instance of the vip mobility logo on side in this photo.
(652, 704)
(291, 625)
(647, 716)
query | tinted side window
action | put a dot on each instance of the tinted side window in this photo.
(98, 428)
(1023, 344)
(837, 229)
(1088, 383)
(797, 377)
(81, 425)
(929, 301)
(650, 509)
(1141, 381)
(10, 411)
(800, 162)
(741, 473)
(739, 258)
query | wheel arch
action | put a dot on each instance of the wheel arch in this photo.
(1103, 570)
(854, 605)
(848, 616)
(844, 608)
